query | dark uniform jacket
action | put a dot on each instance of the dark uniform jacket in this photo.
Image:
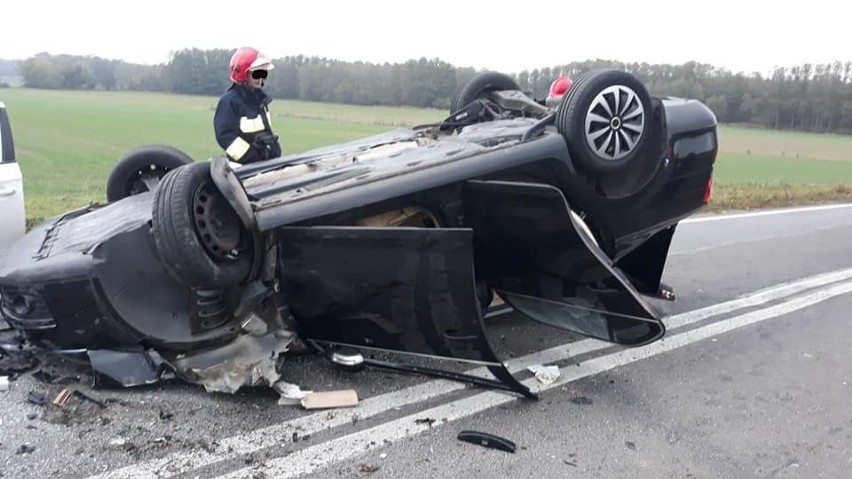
(242, 125)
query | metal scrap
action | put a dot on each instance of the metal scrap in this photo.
(247, 361)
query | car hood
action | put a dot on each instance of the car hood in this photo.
(76, 233)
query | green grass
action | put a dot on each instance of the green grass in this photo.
(761, 168)
(785, 144)
(739, 168)
(67, 142)
(739, 196)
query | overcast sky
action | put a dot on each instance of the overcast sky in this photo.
(744, 35)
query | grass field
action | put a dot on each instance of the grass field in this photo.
(67, 143)
(762, 168)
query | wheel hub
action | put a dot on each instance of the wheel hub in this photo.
(217, 225)
(146, 179)
(615, 121)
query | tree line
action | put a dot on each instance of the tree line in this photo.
(809, 97)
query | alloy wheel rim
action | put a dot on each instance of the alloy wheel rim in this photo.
(615, 122)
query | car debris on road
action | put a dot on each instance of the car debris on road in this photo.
(545, 374)
(488, 440)
(330, 399)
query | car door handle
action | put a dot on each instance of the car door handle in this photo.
(6, 192)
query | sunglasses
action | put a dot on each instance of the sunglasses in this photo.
(258, 74)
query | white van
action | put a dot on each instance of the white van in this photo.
(12, 212)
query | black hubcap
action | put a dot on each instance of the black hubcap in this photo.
(217, 224)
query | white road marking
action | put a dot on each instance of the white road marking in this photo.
(759, 239)
(235, 446)
(316, 457)
(782, 211)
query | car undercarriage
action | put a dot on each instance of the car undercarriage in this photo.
(399, 243)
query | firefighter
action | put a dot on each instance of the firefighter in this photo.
(242, 120)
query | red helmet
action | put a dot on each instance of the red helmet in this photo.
(560, 86)
(245, 60)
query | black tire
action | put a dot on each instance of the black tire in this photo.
(187, 245)
(125, 179)
(479, 85)
(595, 94)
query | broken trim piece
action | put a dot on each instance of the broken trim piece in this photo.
(485, 439)
(128, 368)
(506, 381)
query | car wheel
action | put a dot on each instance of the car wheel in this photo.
(198, 235)
(142, 169)
(479, 85)
(605, 118)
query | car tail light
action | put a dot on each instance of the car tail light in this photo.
(708, 191)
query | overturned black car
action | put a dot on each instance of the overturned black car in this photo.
(396, 242)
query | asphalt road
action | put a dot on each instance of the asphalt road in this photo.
(752, 380)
